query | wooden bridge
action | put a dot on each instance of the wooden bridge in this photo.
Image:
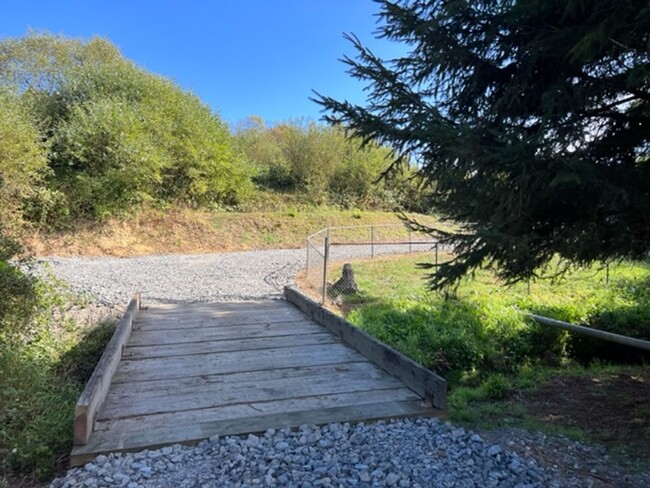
(179, 373)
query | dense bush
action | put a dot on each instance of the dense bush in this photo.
(18, 297)
(484, 327)
(97, 136)
(322, 165)
(119, 136)
(447, 336)
(45, 360)
(23, 160)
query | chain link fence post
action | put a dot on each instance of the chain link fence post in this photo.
(326, 254)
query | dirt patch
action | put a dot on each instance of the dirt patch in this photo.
(189, 231)
(611, 408)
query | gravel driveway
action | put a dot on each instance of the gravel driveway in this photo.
(194, 277)
(418, 452)
(182, 278)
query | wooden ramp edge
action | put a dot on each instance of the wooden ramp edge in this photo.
(424, 382)
(94, 394)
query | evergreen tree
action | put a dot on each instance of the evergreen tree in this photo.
(530, 118)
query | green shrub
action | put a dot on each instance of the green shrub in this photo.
(119, 136)
(446, 337)
(496, 386)
(23, 160)
(18, 292)
(484, 328)
(43, 371)
(323, 166)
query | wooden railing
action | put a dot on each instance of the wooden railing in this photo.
(96, 389)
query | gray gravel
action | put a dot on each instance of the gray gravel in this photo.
(192, 277)
(401, 453)
(181, 278)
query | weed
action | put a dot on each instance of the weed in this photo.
(496, 386)
(484, 327)
(43, 373)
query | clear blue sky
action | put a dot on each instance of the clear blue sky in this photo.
(242, 57)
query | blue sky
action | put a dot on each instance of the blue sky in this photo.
(247, 57)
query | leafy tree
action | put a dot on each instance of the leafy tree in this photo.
(41, 63)
(530, 118)
(119, 135)
(23, 161)
(317, 162)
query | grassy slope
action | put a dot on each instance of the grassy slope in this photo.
(193, 231)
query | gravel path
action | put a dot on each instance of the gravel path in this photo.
(193, 277)
(404, 453)
(181, 278)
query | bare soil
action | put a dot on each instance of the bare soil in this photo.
(188, 231)
(611, 408)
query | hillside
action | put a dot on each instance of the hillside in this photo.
(194, 231)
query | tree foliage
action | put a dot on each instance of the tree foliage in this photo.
(119, 136)
(531, 119)
(23, 161)
(321, 164)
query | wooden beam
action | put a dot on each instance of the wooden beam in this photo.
(127, 435)
(96, 389)
(424, 382)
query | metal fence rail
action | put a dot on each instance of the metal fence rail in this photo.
(335, 244)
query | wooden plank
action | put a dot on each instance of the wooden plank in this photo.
(216, 309)
(95, 391)
(187, 321)
(128, 435)
(421, 380)
(189, 397)
(192, 320)
(226, 345)
(204, 334)
(231, 362)
(250, 304)
(267, 408)
(338, 369)
(182, 311)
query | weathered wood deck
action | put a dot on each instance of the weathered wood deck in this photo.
(194, 370)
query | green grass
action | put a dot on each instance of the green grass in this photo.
(483, 327)
(43, 373)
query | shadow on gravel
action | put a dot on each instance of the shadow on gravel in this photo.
(610, 408)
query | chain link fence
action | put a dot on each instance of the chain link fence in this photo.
(335, 245)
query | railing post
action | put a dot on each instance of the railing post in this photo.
(325, 259)
(372, 242)
(410, 241)
(436, 254)
(607, 274)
